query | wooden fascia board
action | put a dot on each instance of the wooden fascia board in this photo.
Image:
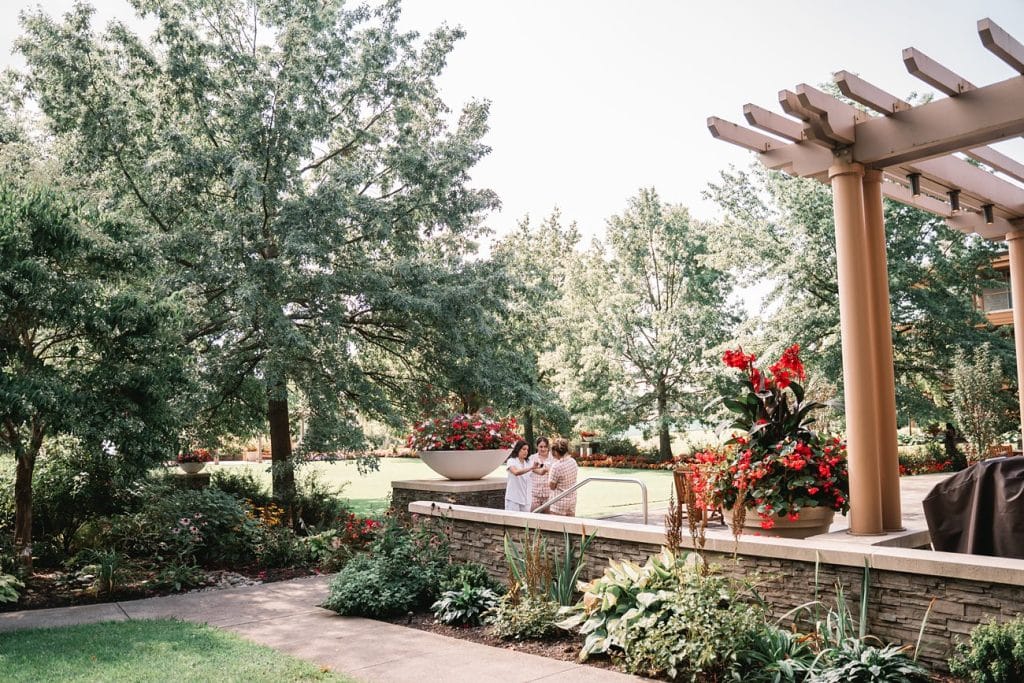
(742, 136)
(868, 94)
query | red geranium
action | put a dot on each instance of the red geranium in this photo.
(195, 455)
(463, 432)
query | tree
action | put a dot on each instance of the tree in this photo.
(537, 260)
(643, 318)
(779, 230)
(84, 349)
(294, 161)
(976, 398)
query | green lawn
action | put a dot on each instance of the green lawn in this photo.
(368, 494)
(160, 650)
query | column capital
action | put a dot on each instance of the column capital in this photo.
(871, 175)
(839, 168)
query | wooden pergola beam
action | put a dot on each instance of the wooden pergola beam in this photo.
(972, 222)
(879, 100)
(871, 96)
(1001, 44)
(923, 67)
(776, 124)
(742, 136)
(971, 119)
(998, 161)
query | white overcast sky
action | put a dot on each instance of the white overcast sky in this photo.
(593, 100)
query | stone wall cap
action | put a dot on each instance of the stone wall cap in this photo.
(450, 485)
(826, 550)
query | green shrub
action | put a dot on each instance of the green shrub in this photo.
(9, 587)
(857, 661)
(774, 655)
(180, 575)
(691, 632)
(995, 654)
(318, 506)
(468, 606)
(243, 484)
(72, 485)
(618, 446)
(279, 547)
(327, 550)
(400, 573)
(473, 574)
(207, 527)
(523, 616)
(376, 587)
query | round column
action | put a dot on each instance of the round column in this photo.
(855, 307)
(1015, 241)
(881, 353)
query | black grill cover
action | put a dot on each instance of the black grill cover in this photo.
(979, 510)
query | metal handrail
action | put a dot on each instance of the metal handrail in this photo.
(628, 480)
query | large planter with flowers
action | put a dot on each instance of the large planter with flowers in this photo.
(463, 465)
(192, 462)
(810, 521)
(776, 474)
(464, 446)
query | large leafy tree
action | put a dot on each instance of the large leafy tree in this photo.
(536, 260)
(779, 231)
(643, 319)
(85, 347)
(295, 161)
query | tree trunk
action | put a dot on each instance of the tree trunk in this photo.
(528, 427)
(26, 463)
(282, 469)
(23, 510)
(664, 438)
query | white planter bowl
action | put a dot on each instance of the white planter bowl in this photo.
(463, 465)
(191, 467)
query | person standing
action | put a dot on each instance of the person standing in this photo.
(517, 487)
(539, 479)
(561, 478)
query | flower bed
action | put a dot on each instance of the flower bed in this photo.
(635, 462)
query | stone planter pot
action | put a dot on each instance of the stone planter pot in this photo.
(463, 465)
(191, 467)
(812, 521)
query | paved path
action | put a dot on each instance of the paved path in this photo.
(285, 616)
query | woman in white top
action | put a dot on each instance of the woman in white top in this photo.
(517, 489)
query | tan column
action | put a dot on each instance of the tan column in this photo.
(858, 368)
(1015, 240)
(881, 333)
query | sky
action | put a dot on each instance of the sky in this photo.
(591, 101)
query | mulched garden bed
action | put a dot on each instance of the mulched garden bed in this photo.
(562, 647)
(48, 588)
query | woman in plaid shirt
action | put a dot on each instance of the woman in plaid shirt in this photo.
(561, 477)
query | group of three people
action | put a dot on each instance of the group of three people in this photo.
(535, 479)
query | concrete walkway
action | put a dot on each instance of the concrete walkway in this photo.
(285, 617)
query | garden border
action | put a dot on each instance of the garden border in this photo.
(956, 591)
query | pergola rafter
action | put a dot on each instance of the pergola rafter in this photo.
(913, 155)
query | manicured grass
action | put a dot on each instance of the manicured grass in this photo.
(158, 650)
(368, 494)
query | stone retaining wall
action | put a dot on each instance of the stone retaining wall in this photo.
(962, 590)
(484, 493)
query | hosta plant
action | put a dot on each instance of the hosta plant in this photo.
(469, 606)
(9, 587)
(620, 597)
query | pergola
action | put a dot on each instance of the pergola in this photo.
(914, 155)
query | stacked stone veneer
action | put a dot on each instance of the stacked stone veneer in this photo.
(484, 493)
(963, 590)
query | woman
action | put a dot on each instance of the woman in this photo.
(561, 477)
(542, 464)
(517, 488)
